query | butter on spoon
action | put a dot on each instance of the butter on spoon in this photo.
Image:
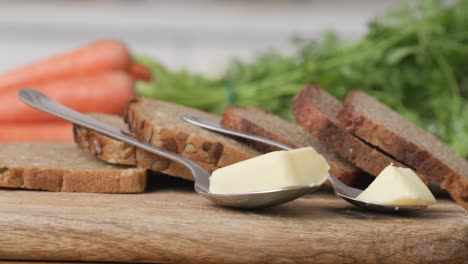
(397, 187)
(271, 171)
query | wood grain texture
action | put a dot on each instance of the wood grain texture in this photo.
(178, 226)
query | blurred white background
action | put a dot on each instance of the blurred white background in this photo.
(200, 35)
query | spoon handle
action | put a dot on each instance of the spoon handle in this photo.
(210, 125)
(42, 102)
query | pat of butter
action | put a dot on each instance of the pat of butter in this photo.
(399, 187)
(271, 171)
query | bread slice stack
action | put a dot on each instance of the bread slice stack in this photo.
(117, 152)
(382, 127)
(160, 124)
(371, 135)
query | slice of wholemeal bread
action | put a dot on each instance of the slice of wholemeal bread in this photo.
(160, 123)
(64, 167)
(316, 111)
(117, 152)
(380, 126)
(262, 123)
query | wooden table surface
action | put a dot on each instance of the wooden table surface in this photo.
(173, 224)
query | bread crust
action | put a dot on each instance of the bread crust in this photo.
(232, 119)
(328, 131)
(60, 180)
(403, 148)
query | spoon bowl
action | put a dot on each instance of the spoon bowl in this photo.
(202, 178)
(344, 191)
(261, 199)
(349, 194)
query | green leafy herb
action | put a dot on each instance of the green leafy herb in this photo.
(415, 59)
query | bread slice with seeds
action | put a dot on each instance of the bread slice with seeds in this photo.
(384, 128)
(64, 167)
(117, 152)
(160, 123)
(262, 123)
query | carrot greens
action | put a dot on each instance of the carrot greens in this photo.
(414, 59)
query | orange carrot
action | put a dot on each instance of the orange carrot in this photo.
(103, 55)
(48, 131)
(107, 92)
(140, 72)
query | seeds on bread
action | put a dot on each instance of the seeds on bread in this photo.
(160, 123)
(262, 123)
(103, 147)
(377, 124)
(63, 167)
(117, 152)
(316, 111)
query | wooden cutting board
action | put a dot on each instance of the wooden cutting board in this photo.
(165, 225)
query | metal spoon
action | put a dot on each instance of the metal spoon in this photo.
(342, 190)
(201, 176)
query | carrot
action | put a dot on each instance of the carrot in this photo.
(107, 92)
(52, 131)
(140, 72)
(100, 56)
